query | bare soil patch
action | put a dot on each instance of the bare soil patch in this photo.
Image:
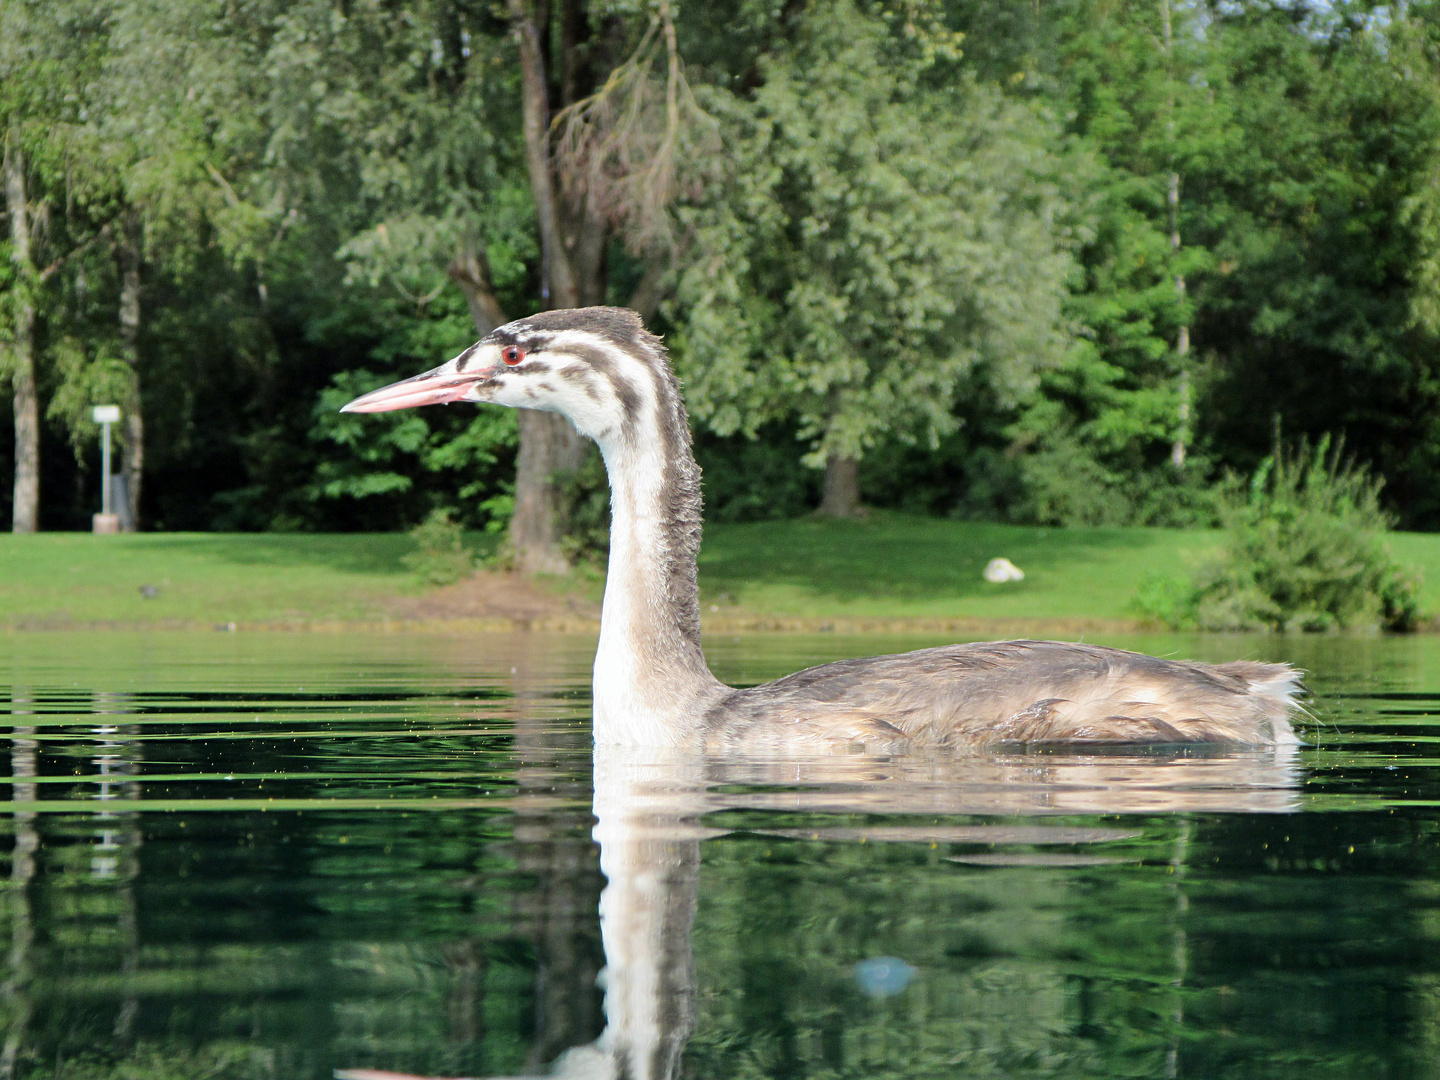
(495, 595)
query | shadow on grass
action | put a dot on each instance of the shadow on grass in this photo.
(893, 555)
(350, 553)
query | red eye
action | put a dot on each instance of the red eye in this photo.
(512, 354)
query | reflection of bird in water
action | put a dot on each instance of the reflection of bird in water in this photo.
(602, 370)
(650, 809)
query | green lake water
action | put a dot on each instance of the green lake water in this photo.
(230, 856)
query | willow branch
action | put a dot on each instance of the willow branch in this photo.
(640, 143)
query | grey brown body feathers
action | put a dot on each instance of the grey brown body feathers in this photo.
(1009, 692)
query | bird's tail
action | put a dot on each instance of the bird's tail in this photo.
(1279, 686)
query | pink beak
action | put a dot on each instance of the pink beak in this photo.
(436, 387)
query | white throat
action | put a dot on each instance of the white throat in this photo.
(651, 683)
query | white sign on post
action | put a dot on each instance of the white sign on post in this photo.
(105, 414)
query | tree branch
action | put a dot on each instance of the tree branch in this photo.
(470, 270)
(49, 271)
(225, 188)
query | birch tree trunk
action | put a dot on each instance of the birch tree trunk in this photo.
(130, 261)
(1180, 445)
(26, 510)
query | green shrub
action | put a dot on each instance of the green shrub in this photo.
(440, 558)
(1169, 601)
(1303, 552)
(1400, 600)
(1066, 483)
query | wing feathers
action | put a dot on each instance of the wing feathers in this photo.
(1016, 692)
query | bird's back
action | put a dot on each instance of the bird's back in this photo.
(1011, 692)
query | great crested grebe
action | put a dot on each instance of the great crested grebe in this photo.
(601, 369)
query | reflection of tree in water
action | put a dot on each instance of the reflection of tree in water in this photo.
(791, 913)
(1044, 944)
(1058, 916)
(557, 866)
(264, 942)
(16, 988)
(103, 928)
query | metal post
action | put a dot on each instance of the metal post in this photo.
(106, 521)
(105, 468)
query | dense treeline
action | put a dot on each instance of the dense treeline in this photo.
(1056, 263)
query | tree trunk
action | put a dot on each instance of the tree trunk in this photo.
(471, 271)
(1179, 447)
(26, 510)
(1181, 443)
(588, 238)
(558, 287)
(842, 488)
(554, 854)
(468, 965)
(25, 517)
(548, 444)
(573, 274)
(130, 260)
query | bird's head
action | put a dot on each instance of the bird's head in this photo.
(597, 366)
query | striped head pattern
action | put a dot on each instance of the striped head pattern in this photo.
(597, 366)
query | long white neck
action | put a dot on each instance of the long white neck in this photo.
(651, 683)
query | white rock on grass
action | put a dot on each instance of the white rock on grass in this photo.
(999, 571)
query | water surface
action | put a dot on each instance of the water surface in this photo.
(276, 856)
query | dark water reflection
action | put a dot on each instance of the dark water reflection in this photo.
(281, 856)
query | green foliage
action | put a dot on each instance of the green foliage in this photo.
(1337, 126)
(1167, 600)
(1064, 483)
(760, 478)
(585, 511)
(1303, 137)
(417, 122)
(440, 557)
(1093, 444)
(404, 456)
(957, 265)
(152, 1060)
(1303, 552)
(86, 380)
(887, 229)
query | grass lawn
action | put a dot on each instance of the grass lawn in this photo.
(199, 578)
(889, 567)
(899, 566)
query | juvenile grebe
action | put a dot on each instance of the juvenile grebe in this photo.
(600, 368)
